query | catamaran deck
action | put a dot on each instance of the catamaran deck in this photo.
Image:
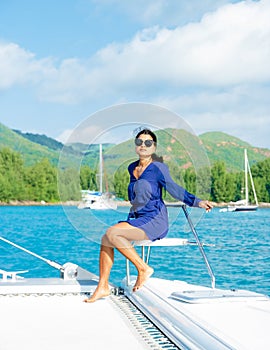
(198, 317)
(50, 314)
(64, 322)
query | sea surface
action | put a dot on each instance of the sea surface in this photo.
(239, 251)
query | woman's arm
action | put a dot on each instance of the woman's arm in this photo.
(179, 192)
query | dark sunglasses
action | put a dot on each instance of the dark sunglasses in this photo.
(148, 143)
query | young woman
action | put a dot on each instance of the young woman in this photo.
(148, 217)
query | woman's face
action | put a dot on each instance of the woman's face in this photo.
(142, 150)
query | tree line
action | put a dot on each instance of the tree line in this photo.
(43, 182)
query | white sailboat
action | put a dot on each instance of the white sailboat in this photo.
(98, 200)
(244, 204)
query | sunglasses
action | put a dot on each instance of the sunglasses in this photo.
(148, 143)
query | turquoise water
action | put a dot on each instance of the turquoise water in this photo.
(240, 258)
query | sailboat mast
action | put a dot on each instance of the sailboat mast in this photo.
(246, 176)
(100, 168)
(252, 183)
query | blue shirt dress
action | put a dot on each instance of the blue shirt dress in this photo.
(148, 211)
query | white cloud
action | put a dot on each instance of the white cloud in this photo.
(216, 69)
(18, 66)
(241, 111)
(228, 47)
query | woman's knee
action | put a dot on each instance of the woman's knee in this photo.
(104, 240)
(114, 232)
(111, 234)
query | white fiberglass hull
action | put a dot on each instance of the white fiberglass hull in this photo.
(50, 313)
(196, 317)
(239, 208)
(97, 201)
(246, 208)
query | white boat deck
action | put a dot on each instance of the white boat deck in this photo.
(63, 323)
(49, 313)
(204, 318)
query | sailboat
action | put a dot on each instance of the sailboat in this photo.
(98, 200)
(244, 204)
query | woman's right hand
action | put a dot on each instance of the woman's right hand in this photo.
(206, 205)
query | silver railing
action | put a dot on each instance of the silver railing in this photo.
(173, 242)
(200, 245)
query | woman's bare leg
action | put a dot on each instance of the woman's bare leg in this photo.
(120, 236)
(144, 270)
(106, 259)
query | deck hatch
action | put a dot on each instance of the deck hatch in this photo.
(216, 295)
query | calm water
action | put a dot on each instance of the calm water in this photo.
(240, 258)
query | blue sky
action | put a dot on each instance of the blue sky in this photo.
(208, 61)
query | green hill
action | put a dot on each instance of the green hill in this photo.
(174, 145)
(178, 147)
(30, 151)
(42, 140)
(230, 149)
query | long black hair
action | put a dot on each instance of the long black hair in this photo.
(149, 132)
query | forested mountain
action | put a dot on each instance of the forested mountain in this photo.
(42, 140)
(31, 151)
(229, 149)
(34, 148)
(35, 167)
(171, 144)
(178, 147)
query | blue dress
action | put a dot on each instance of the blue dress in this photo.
(148, 211)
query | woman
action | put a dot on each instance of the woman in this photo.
(147, 219)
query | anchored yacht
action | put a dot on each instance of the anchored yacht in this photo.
(98, 200)
(244, 204)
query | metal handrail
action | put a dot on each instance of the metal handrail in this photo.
(146, 256)
(199, 244)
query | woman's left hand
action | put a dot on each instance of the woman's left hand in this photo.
(206, 205)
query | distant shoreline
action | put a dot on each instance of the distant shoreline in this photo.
(76, 203)
(25, 203)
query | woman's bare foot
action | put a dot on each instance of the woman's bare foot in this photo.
(143, 276)
(98, 294)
